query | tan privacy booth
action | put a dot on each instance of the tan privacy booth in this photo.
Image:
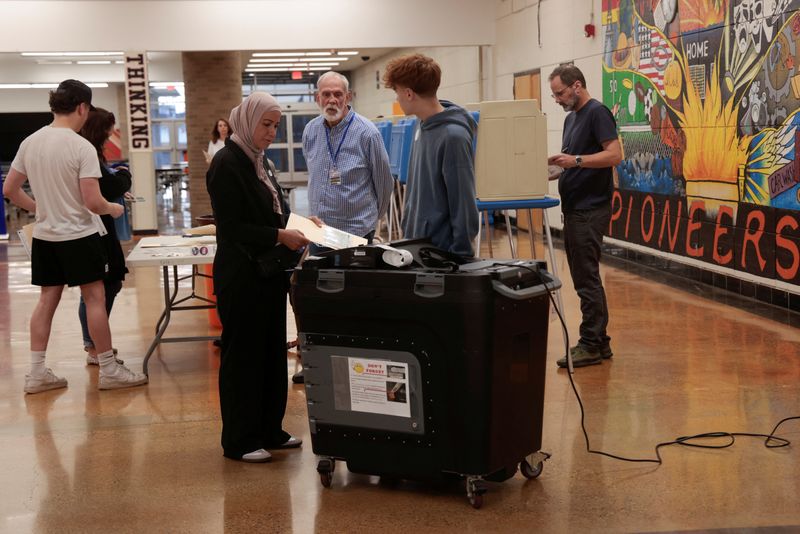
(511, 155)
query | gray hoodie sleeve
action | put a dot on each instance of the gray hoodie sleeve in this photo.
(459, 178)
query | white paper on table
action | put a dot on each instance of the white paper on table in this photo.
(183, 242)
(327, 236)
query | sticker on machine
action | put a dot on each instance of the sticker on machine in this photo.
(378, 386)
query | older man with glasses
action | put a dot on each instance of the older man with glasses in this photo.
(590, 149)
(349, 180)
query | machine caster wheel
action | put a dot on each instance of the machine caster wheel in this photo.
(326, 479)
(476, 501)
(325, 468)
(475, 491)
(529, 471)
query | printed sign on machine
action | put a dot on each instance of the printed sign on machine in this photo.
(379, 386)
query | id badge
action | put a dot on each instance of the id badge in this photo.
(335, 177)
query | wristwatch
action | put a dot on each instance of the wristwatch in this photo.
(578, 161)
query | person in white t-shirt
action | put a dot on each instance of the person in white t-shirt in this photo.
(222, 130)
(63, 171)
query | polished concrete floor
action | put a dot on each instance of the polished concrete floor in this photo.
(148, 459)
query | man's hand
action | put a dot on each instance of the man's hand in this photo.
(115, 210)
(316, 220)
(565, 161)
(554, 172)
(294, 239)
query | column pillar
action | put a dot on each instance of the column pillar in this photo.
(213, 85)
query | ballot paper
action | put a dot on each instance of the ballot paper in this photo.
(208, 229)
(26, 237)
(326, 236)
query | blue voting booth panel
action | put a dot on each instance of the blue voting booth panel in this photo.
(402, 137)
(477, 116)
(385, 129)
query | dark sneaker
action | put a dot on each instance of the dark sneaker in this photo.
(581, 357)
(299, 377)
(605, 351)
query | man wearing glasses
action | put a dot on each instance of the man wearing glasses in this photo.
(590, 148)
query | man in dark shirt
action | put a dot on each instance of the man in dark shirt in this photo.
(590, 148)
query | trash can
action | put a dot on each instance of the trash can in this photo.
(418, 374)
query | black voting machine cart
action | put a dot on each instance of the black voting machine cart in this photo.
(423, 373)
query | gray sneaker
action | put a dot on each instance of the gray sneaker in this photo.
(120, 377)
(48, 381)
(605, 351)
(581, 357)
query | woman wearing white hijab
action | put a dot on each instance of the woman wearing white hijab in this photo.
(251, 217)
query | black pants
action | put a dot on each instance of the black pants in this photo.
(252, 376)
(583, 237)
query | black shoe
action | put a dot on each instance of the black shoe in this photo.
(581, 357)
(299, 377)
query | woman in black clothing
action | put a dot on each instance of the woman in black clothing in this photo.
(113, 185)
(251, 218)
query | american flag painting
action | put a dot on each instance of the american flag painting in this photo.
(655, 53)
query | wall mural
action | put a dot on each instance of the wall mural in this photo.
(706, 94)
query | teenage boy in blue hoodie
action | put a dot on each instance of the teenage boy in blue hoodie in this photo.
(440, 195)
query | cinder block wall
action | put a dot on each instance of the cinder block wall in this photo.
(213, 83)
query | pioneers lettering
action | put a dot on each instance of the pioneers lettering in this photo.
(760, 240)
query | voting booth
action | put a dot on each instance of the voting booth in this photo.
(511, 156)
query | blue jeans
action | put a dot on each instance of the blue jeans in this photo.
(112, 287)
(583, 239)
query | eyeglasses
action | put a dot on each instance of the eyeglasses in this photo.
(557, 94)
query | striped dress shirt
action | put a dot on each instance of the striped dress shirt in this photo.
(357, 203)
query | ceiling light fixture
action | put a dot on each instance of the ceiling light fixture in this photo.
(294, 59)
(70, 54)
(278, 54)
(95, 85)
(275, 69)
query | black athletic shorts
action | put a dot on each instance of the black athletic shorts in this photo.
(74, 263)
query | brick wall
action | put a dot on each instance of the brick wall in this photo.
(213, 82)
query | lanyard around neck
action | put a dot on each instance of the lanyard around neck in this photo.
(335, 156)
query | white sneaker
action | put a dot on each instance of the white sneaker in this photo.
(91, 359)
(121, 377)
(37, 384)
(257, 457)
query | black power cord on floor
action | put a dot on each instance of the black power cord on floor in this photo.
(771, 441)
